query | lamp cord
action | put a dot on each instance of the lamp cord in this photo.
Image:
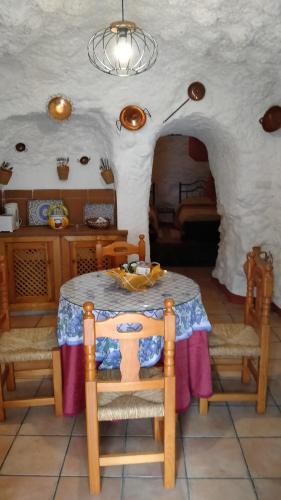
(122, 10)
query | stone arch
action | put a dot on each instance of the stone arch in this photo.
(223, 161)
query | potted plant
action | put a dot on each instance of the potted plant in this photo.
(106, 171)
(5, 172)
(63, 168)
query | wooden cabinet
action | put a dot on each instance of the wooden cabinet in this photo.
(34, 271)
(79, 252)
(38, 263)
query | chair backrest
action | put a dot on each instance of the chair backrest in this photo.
(4, 302)
(129, 344)
(118, 251)
(259, 273)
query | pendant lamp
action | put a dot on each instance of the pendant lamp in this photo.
(122, 49)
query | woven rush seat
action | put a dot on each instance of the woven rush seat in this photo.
(137, 404)
(27, 344)
(235, 339)
(244, 347)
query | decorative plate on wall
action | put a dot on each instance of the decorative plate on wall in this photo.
(59, 108)
(105, 210)
(37, 211)
(132, 117)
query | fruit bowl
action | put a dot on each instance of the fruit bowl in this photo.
(136, 282)
(98, 222)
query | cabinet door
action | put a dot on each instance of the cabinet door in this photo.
(83, 257)
(31, 272)
(79, 253)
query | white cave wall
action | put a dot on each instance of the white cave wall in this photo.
(233, 47)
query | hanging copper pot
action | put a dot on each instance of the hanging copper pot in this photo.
(84, 160)
(271, 120)
(59, 108)
(20, 147)
(132, 117)
(195, 92)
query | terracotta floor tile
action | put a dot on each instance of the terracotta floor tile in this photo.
(140, 427)
(48, 320)
(220, 318)
(152, 488)
(275, 319)
(5, 443)
(106, 428)
(24, 321)
(77, 488)
(225, 477)
(263, 456)
(27, 488)
(249, 423)
(232, 384)
(213, 489)
(275, 351)
(35, 455)
(274, 368)
(14, 418)
(76, 458)
(277, 331)
(113, 428)
(24, 389)
(274, 337)
(42, 421)
(268, 489)
(214, 458)
(275, 389)
(138, 444)
(216, 423)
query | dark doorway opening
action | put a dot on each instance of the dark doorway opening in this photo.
(184, 224)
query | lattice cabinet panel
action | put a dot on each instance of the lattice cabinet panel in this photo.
(31, 272)
(83, 258)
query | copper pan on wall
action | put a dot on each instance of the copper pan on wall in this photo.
(271, 120)
(132, 117)
(59, 108)
(195, 92)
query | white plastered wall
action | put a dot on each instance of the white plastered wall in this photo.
(232, 47)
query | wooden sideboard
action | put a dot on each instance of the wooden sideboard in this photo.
(40, 259)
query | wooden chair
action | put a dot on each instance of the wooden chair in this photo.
(19, 345)
(130, 392)
(248, 341)
(117, 252)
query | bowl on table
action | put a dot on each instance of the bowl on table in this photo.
(98, 222)
(136, 282)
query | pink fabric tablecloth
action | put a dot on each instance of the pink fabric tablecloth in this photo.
(192, 367)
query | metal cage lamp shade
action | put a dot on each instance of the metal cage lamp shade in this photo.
(122, 49)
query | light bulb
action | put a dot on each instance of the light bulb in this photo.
(123, 49)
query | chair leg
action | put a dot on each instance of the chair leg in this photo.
(10, 381)
(158, 428)
(203, 406)
(57, 381)
(2, 409)
(92, 439)
(245, 376)
(170, 435)
(262, 385)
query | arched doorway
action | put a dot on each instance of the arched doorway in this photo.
(183, 218)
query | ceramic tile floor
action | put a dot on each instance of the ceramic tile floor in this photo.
(232, 454)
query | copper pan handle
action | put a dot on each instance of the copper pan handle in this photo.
(118, 125)
(147, 112)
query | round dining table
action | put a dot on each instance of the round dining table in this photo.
(192, 364)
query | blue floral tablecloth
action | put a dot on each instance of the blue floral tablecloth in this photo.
(110, 300)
